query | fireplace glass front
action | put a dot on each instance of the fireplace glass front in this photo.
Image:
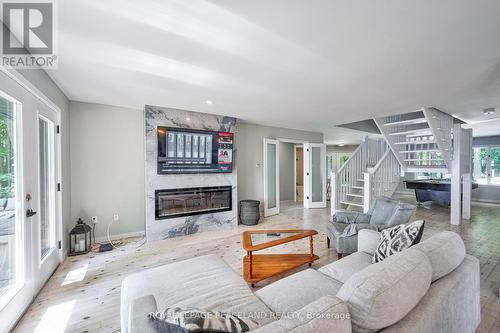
(192, 201)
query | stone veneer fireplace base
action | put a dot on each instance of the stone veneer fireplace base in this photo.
(185, 224)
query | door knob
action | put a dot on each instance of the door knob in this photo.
(30, 212)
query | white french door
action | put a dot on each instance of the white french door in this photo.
(314, 175)
(45, 235)
(30, 218)
(271, 177)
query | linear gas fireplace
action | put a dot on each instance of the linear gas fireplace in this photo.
(192, 201)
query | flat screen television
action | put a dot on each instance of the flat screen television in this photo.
(194, 151)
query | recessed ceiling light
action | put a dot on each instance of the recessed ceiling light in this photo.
(341, 144)
(488, 111)
(188, 119)
(209, 102)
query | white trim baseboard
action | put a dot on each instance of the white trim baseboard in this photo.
(120, 236)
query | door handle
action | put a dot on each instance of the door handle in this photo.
(30, 212)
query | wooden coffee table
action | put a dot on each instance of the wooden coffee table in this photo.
(257, 267)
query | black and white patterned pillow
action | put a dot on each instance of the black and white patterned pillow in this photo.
(397, 239)
(186, 320)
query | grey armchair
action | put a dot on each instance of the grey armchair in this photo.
(344, 226)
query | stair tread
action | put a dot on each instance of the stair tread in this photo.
(358, 187)
(406, 122)
(422, 159)
(420, 134)
(418, 131)
(430, 168)
(419, 151)
(351, 203)
(360, 180)
(415, 142)
(355, 195)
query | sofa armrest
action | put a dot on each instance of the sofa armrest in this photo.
(368, 241)
(138, 316)
(326, 314)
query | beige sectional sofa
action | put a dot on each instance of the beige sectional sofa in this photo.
(431, 287)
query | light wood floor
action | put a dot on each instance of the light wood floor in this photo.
(84, 293)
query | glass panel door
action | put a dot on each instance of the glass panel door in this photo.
(315, 175)
(46, 232)
(271, 177)
(11, 258)
(47, 186)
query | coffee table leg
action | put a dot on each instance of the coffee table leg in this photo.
(311, 249)
(249, 253)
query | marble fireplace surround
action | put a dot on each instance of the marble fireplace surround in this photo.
(155, 116)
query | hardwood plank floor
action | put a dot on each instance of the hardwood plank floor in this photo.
(83, 295)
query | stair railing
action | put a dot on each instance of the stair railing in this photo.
(381, 180)
(367, 153)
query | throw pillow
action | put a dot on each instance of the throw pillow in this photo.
(186, 320)
(397, 239)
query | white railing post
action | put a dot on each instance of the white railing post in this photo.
(367, 193)
(333, 195)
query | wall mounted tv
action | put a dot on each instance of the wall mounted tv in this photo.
(194, 151)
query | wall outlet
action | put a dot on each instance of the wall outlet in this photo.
(116, 217)
(93, 219)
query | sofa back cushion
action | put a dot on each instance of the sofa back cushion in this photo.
(445, 250)
(383, 293)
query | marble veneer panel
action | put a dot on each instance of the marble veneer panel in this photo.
(168, 228)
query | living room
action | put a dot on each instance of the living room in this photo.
(148, 153)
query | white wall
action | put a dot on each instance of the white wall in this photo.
(107, 166)
(249, 143)
(286, 171)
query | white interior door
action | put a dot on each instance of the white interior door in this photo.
(47, 232)
(271, 177)
(314, 175)
(24, 196)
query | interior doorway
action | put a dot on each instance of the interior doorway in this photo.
(299, 173)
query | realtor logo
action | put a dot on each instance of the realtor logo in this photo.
(28, 34)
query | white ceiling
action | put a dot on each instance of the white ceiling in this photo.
(291, 63)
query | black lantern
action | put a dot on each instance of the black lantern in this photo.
(80, 239)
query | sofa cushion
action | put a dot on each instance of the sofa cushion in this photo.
(326, 314)
(445, 250)
(205, 282)
(397, 239)
(296, 291)
(383, 293)
(344, 268)
(185, 320)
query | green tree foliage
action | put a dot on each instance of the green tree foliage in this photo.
(6, 158)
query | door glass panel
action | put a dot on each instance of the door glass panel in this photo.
(317, 181)
(9, 258)
(271, 175)
(47, 184)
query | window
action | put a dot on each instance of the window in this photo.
(486, 165)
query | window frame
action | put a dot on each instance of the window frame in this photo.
(488, 164)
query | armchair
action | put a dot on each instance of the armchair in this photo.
(384, 213)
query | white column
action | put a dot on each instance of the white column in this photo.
(466, 196)
(456, 175)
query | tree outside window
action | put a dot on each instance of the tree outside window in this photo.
(486, 165)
